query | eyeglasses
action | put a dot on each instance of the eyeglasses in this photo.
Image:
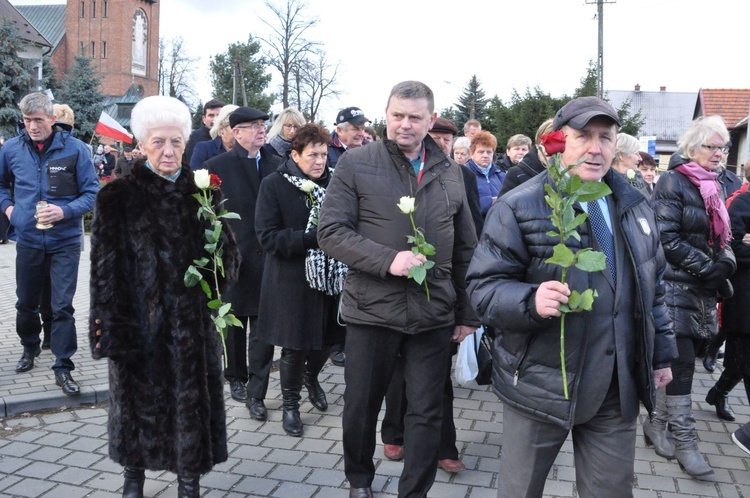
(713, 148)
(251, 126)
(290, 126)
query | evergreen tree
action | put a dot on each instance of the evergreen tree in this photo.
(15, 78)
(80, 90)
(198, 115)
(472, 104)
(523, 115)
(50, 79)
(253, 69)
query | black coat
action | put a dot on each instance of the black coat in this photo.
(292, 314)
(240, 182)
(165, 356)
(508, 266)
(684, 229)
(734, 317)
(528, 168)
(200, 134)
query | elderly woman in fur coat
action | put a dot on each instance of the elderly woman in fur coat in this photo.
(165, 364)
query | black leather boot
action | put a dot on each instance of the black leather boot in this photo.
(718, 394)
(188, 487)
(291, 368)
(315, 362)
(712, 351)
(134, 479)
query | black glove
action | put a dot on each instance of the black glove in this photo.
(310, 239)
(717, 275)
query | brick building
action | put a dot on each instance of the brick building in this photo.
(120, 36)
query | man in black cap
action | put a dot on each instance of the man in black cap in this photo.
(241, 171)
(616, 354)
(210, 111)
(349, 132)
(125, 163)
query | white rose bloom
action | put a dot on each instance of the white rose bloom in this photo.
(631, 174)
(201, 178)
(406, 205)
(308, 186)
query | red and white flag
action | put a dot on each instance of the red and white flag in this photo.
(108, 127)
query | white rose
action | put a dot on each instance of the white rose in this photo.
(630, 174)
(406, 205)
(307, 186)
(201, 178)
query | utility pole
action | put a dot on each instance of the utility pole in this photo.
(600, 54)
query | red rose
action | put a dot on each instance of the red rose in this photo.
(554, 142)
(214, 181)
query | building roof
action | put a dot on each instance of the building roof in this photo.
(26, 30)
(731, 104)
(666, 114)
(48, 19)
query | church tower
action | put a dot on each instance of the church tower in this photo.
(122, 39)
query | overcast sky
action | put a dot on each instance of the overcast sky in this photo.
(682, 45)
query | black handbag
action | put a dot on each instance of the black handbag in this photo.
(483, 349)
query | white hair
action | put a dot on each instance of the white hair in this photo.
(159, 110)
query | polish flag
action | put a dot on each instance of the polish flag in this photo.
(108, 127)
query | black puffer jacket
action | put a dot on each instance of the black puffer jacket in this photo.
(509, 265)
(734, 311)
(528, 168)
(361, 226)
(691, 260)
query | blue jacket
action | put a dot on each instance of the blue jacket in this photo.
(64, 176)
(204, 151)
(489, 185)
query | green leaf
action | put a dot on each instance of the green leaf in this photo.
(192, 277)
(415, 250)
(411, 239)
(428, 249)
(206, 288)
(587, 299)
(217, 231)
(220, 322)
(564, 309)
(573, 184)
(230, 216)
(210, 248)
(575, 222)
(562, 256)
(574, 300)
(232, 320)
(591, 191)
(201, 262)
(428, 264)
(225, 309)
(590, 260)
(214, 304)
(418, 273)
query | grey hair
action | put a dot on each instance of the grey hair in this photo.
(462, 143)
(34, 102)
(159, 110)
(701, 130)
(288, 114)
(413, 90)
(222, 120)
(518, 141)
(626, 145)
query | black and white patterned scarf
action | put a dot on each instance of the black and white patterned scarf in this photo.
(323, 273)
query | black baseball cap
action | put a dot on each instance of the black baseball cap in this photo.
(578, 112)
(353, 115)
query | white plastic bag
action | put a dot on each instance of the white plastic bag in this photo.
(466, 359)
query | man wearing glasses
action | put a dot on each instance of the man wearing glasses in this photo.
(241, 171)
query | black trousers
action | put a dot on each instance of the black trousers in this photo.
(371, 357)
(392, 426)
(683, 367)
(248, 362)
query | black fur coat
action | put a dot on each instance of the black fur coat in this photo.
(165, 357)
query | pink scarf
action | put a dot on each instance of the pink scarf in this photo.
(718, 217)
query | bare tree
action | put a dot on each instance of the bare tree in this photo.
(176, 70)
(287, 47)
(316, 81)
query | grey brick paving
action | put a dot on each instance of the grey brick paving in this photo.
(54, 446)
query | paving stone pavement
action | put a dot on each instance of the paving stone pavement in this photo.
(54, 446)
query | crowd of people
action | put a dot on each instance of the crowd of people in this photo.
(381, 254)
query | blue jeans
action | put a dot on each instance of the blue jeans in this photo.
(63, 272)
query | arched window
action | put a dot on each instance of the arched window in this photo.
(140, 43)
